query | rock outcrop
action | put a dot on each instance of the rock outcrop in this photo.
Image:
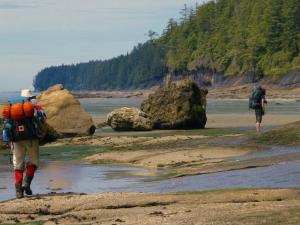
(1, 126)
(178, 105)
(129, 119)
(1, 107)
(64, 114)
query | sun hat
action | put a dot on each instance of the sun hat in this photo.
(27, 93)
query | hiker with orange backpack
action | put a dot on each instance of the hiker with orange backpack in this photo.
(21, 131)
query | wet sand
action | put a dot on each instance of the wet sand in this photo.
(228, 207)
(248, 120)
(192, 156)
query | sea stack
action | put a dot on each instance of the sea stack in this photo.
(179, 105)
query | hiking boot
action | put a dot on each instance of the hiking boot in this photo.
(19, 191)
(26, 185)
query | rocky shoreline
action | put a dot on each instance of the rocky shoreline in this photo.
(237, 92)
(112, 94)
(243, 91)
(228, 207)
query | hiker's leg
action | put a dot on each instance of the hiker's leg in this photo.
(257, 127)
(29, 174)
(258, 115)
(33, 153)
(19, 152)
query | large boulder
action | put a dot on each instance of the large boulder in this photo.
(1, 122)
(1, 126)
(65, 116)
(1, 107)
(179, 105)
(129, 119)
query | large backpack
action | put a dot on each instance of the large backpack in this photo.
(20, 114)
(255, 98)
(40, 123)
(23, 130)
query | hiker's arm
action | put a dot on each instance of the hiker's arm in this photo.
(6, 137)
(264, 102)
(5, 144)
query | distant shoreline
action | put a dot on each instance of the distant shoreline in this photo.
(237, 92)
(113, 94)
(233, 93)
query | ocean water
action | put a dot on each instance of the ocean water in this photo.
(5, 96)
(100, 107)
(67, 176)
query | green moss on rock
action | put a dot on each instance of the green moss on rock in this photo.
(180, 105)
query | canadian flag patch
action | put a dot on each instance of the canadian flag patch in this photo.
(21, 128)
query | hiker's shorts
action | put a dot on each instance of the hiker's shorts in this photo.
(20, 148)
(259, 114)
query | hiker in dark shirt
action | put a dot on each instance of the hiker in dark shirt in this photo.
(258, 102)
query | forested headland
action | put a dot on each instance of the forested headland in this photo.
(224, 37)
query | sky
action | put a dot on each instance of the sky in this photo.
(35, 34)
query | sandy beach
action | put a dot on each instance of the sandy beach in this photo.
(230, 207)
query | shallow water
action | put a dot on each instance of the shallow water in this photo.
(100, 107)
(55, 176)
(277, 176)
(68, 176)
(275, 151)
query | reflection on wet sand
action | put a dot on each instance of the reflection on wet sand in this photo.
(56, 176)
(55, 179)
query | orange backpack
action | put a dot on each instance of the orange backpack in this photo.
(18, 111)
(6, 112)
(28, 109)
